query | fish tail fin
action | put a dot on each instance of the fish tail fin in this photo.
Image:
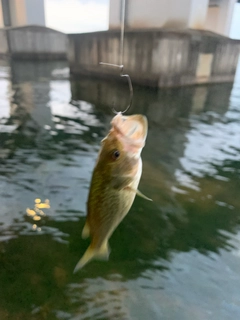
(88, 255)
(101, 253)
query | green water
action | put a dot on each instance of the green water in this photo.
(175, 258)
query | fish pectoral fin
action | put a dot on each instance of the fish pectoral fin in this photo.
(139, 193)
(121, 182)
(86, 231)
(91, 253)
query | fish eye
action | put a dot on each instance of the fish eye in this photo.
(116, 154)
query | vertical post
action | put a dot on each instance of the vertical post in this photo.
(6, 12)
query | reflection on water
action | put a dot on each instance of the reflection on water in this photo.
(175, 258)
(37, 212)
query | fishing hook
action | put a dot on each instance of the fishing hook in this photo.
(129, 84)
(120, 66)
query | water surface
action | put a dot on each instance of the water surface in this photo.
(174, 258)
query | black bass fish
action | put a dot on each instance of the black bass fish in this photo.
(114, 183)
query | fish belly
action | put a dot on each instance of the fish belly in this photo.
(104, 215)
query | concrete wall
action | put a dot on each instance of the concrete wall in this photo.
(175, 13)
(214, 15)
(219, 16)
(3, 43)
(17, 12)
(156, 58)
(1, 16)
(33, 42)
(198, 14)
(141, 14)
(24, 12)
(114, 14)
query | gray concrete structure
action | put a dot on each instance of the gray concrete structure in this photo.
(212, 15)
(3, 43)
(158, 58)
(15, 13)
(33, 42)
(142, 14)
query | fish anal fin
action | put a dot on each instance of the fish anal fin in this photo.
(86, 231)
(139, 193)
(91, 253)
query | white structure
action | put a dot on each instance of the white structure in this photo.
(213, 15)
(14, 13)
(1, 16)
(219, 16)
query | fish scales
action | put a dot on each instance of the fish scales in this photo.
(114, 183)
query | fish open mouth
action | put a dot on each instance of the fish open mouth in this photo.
(133, 128)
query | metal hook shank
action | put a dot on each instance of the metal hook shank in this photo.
(129, 83)
(131, 91)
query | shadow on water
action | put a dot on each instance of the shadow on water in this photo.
(51, 129)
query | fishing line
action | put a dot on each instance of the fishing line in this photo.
(120, 65)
